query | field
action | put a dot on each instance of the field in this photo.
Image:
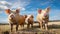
(53, 28)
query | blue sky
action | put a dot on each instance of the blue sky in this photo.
(30, 7)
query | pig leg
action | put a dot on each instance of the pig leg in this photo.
(28, 25)
(17, 25)
(32, 25)
(11, 27)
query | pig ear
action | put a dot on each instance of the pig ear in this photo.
(32, 16)
(39, 11)
(17, 10)
(7, 11)
(25, 16)
(47, 9)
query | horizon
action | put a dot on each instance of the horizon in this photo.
(30, 7)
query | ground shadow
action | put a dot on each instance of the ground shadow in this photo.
(54, 26)
(37, 28)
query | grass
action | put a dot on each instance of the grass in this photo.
(53, 29)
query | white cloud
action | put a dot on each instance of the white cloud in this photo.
(21, 8)
(3, 20)
(20, 3)
(55, 14)
(4, 5)
(46, 2)
(0, 11)
(2, 8)
(56, 17)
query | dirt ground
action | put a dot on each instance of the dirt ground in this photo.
(53, 28)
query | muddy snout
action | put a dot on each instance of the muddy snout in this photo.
(12, 16)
